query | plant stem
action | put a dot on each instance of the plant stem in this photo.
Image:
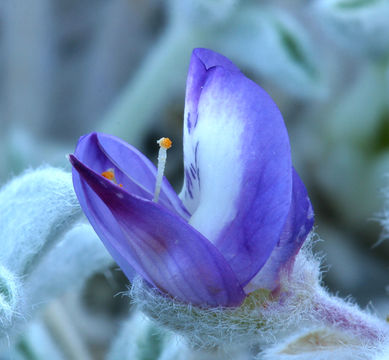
(161, 74)
(65, 333)
(348, 317)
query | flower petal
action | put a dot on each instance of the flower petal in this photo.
(297, 227)
(132, 169)
(161, 246)
(238, 172)
(201, 61)
(102, 221)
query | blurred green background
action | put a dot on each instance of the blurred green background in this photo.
(70, 67)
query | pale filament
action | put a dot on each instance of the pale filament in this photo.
(164, 144)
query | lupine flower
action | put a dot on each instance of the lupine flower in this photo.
(243, 212)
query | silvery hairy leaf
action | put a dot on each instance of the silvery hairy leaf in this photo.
(360, 25)
(36, 209)
(273, 43)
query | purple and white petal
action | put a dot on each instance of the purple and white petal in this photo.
(297, 227)
(162, 247)
(132, 169)
(238, 172)
(201, 61)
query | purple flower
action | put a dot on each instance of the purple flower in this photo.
(243, 212)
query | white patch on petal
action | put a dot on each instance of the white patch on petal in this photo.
(220, 170)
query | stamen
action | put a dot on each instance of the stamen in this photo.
(110, 175)
(164, 144)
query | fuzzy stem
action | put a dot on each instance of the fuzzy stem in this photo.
(133, 112)
(346, 317)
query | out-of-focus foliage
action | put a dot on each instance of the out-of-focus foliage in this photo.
(70, 67)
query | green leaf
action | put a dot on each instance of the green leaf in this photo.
(295, 51)
(345, 4)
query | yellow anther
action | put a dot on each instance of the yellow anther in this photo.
(109, 174)
(165, 143)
